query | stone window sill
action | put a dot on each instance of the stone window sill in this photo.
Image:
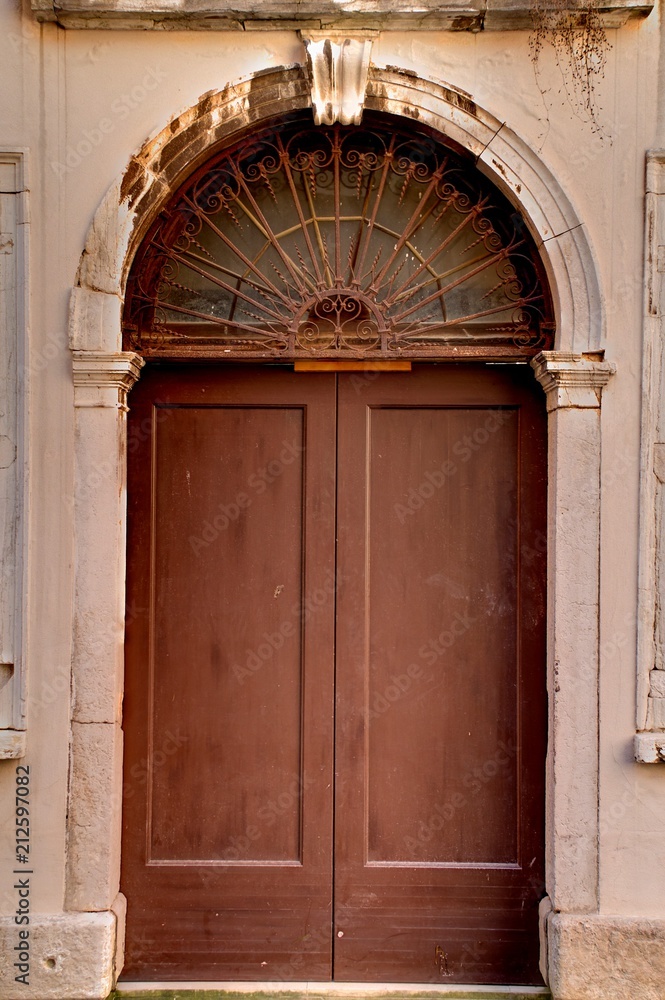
(650, 748)
(455, 15)
(12, 743)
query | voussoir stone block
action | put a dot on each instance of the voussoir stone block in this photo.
(596, 957)
(656, 713)
(657, 678)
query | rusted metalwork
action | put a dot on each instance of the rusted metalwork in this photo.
(332, 242)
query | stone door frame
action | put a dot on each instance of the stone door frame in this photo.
(572, 377)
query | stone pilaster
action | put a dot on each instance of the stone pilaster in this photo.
(101, 383)
(573, 384)
(650, 721)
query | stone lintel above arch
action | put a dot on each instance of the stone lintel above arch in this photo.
(207, 15)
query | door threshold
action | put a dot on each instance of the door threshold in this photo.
(315, 990)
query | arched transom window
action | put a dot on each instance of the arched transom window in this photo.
(364, 241)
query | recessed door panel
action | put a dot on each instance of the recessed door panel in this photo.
(227, 648)
(442, 664)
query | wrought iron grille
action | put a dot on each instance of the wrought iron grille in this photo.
(331, 242)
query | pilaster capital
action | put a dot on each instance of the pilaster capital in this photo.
(103, 379)
(338, 64)
(572, 381)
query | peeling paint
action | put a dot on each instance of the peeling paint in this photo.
(133, 182)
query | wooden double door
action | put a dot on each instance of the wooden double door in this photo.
(335, 710)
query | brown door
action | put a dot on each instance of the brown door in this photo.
(335, 695)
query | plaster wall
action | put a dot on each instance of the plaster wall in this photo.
(80, 103)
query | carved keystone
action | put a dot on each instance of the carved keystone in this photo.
(338, 64)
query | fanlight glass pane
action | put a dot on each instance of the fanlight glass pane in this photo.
(337, 241)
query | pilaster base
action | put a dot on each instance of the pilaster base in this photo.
(70, 955)
(595, 957)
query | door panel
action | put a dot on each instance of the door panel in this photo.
(225, 571)
(440, 651)
(397, 674)
(441, 658)
(227, 848)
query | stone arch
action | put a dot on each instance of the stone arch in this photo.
(135, 197)
(572, 377)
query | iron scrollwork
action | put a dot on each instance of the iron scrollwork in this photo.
(341, 241)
